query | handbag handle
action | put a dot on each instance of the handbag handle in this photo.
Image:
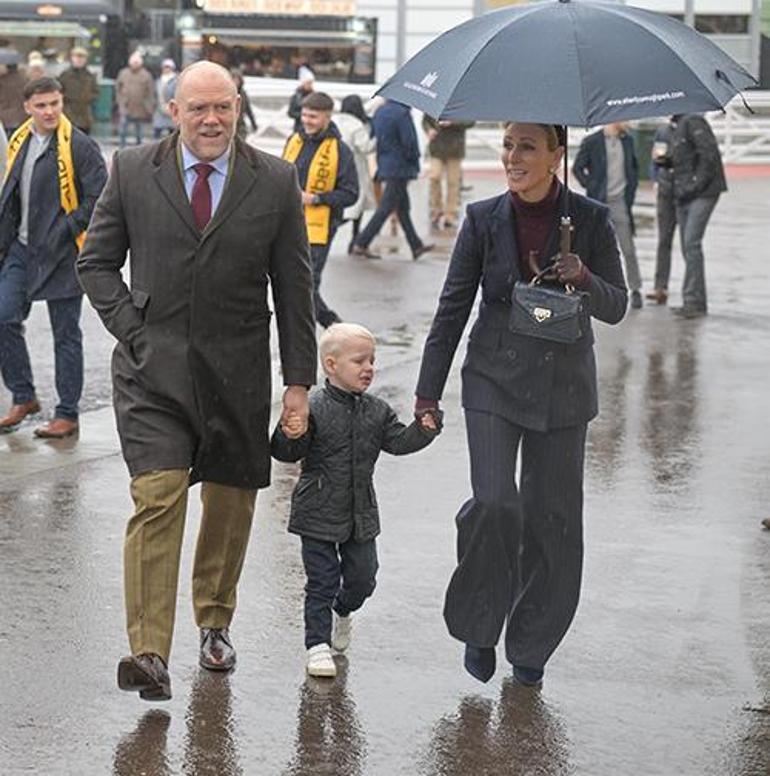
(568, 287)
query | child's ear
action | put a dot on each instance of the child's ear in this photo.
(330, 364)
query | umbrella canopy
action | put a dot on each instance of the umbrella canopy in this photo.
(571, 62)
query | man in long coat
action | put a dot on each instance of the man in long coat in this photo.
(209, 222)
(81, 90)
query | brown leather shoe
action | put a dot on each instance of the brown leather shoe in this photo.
(217, 652)
(658, 295)
(58, 428)
(364, 253)
(146, 674)
(17, 413)
(423, 249)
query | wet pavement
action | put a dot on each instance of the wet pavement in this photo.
(666, 669)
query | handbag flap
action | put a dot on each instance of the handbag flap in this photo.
(545, 305)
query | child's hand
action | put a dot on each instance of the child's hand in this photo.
(292, 426)
(428, 422)
(430, 419)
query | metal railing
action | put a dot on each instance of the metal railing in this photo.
(744, 138)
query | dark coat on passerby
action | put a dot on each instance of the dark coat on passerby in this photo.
(398, 152)
(345, 191)
(449, 143)
(661, 170)
(245, 112)
(531, 382)
(334, 498)
(695, 159)
(590, 168)
(51, 247)
(12, 113)
(135, 93)
(295, 106)
(81, 91)
(3, 153)
(191, 370)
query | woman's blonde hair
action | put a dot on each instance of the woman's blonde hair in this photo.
(335, 337)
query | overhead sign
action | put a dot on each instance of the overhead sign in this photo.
(49, 10)
(300, 7)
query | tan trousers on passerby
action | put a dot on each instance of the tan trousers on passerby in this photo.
(438, 168)
(153, 546)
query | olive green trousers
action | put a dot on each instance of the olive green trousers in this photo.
(152, 550)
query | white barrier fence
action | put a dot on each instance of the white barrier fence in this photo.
(743, 138)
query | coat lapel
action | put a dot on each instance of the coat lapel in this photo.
(504, 234)
(169, 179)
(240, 181)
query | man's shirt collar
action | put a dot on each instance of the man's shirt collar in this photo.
(220, 164)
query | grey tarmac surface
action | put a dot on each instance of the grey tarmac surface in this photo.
(666, 669)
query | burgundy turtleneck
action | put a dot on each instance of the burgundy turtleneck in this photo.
(535, 221)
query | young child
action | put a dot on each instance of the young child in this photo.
(333, 507)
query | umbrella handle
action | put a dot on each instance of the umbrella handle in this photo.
(565, 236)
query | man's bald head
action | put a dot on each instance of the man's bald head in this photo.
(205, 108)
(206, 74)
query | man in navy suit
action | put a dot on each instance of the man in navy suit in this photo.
(607, 167)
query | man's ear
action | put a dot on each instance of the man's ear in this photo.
(173, 109)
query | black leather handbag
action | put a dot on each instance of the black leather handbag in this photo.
(558, 314)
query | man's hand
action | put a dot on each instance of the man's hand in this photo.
(295, 409)
(307, 199)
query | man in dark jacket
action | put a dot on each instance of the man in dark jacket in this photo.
(699, 179)
(665, 207)
(41, 228)
(80, 90)
(306, 79)
(607, 167)
(327, 176)
(334, 508)
(208, 222)
(398, 162)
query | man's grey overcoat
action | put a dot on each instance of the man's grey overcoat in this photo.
(191, 370)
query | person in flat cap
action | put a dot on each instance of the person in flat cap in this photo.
(80, 90)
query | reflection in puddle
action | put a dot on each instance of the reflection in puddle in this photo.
(519, 736)
(329, 736)
(143, 750)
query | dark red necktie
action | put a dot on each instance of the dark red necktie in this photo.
(201, 195)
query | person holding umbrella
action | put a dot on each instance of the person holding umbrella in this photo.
(520, 544)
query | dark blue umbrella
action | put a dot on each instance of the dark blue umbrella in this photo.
(571, 62)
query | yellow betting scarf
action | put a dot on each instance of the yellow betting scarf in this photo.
(67, 192)
(321, 177)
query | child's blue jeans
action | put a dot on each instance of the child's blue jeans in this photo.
(339, 577)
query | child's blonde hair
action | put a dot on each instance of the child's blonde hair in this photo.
(334, 338)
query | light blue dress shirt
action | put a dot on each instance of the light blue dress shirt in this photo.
(217, 179)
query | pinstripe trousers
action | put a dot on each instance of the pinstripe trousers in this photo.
(519, 549)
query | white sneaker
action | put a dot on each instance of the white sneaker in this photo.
(320, 661)
(341, 632)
